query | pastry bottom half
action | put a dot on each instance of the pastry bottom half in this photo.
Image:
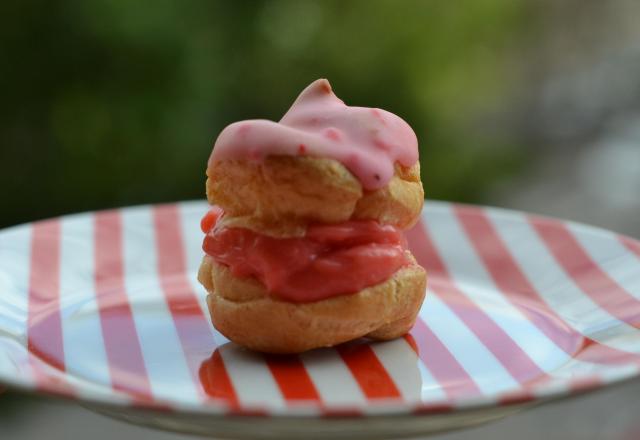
(243, 311)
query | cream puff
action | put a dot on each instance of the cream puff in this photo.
(304, 247)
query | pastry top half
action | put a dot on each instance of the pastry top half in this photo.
(313, 206)
(323, 162)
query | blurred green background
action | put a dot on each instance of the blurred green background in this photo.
(109, 103)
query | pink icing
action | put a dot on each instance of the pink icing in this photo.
(368, 141)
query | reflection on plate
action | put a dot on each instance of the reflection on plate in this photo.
(104, 308)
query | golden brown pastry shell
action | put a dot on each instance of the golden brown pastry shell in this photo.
(244, 312)
(279, 195)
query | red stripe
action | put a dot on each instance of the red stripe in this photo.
(44, 322)
(44, 337)
(436, 408)
(292, 378)
(453, 378)
(248, 412)
(586, 273)
(514, 359)
(191, 324)
(124, 354)
(631, 244)
(594, 352)
(216, 381)
(512, 282)
(342, 413)
(585, 384)
(373, 378)
(158, 406)
(412, 343)
(516, 397)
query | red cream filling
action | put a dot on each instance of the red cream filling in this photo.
(329, 260)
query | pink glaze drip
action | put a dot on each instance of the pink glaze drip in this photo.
(368, 141)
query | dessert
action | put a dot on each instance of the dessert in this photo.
(304, 246)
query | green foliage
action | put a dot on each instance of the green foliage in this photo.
(111, 102)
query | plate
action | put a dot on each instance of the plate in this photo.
(104, 308)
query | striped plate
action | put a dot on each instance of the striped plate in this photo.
(104, 308)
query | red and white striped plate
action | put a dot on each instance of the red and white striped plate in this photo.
(105, 308)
